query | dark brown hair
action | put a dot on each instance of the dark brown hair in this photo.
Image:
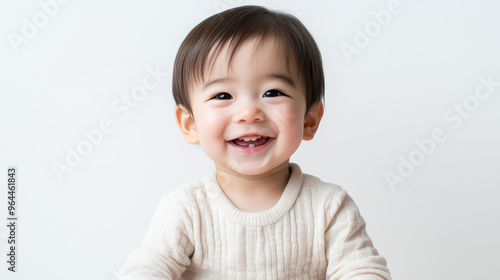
(237, 25)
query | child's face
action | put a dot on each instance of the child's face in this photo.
(250, 105)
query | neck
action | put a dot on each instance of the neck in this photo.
(269, 184)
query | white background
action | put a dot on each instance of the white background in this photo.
(442, 222)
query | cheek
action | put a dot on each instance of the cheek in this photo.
(209, 126)
(289, 120)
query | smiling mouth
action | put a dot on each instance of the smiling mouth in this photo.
(251, 142)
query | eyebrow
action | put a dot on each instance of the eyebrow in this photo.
(283, 77)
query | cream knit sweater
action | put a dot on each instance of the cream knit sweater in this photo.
(315, 231)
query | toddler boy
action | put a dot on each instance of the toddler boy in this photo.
(248, 84)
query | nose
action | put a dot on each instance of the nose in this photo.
(250, 112)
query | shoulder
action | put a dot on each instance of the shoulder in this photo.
(326, 189)
(330, 194)
(179, 207)
(186, 195)
(334, 201)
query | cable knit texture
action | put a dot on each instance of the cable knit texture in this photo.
(314, 231)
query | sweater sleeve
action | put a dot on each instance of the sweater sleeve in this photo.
(166, 248)
(349, 249)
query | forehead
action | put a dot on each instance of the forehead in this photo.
(249, 57)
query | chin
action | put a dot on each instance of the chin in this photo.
(252, 169)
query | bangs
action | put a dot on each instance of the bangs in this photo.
(280, 46)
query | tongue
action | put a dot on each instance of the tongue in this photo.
(255, 143)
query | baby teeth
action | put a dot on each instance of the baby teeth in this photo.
(251, 145)
(250, 138)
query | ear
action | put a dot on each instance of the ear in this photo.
(186, 124)
(311, 121)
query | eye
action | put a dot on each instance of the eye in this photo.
(273, 93)
(222, 95)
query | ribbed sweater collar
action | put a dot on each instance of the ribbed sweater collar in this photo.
(220, 201)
